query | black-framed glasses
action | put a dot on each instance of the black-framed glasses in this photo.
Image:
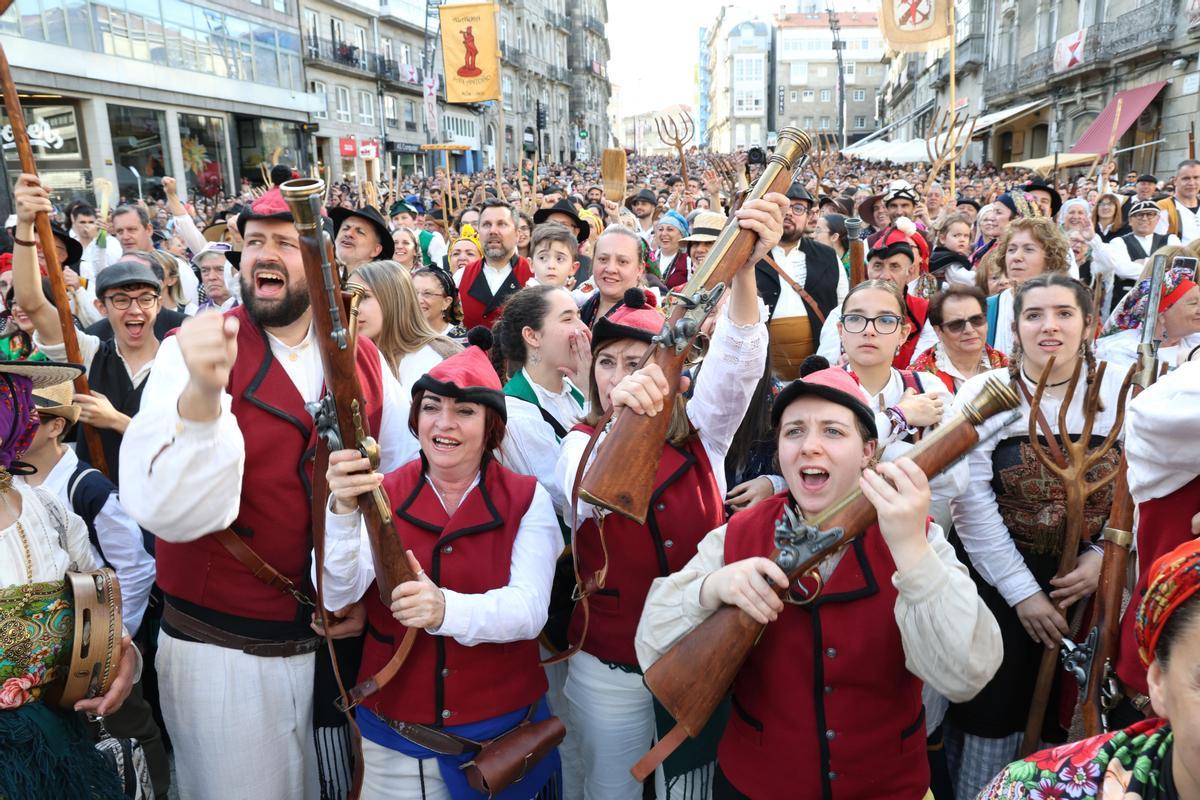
(799, 208)
(959, 325)
(124, 301)
(884, 323)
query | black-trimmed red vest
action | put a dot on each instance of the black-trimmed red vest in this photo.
(479, 304)
(826, 684)
(444, 682)
(918, 311)
(686, 504)
(1164, 523)
(275, 514)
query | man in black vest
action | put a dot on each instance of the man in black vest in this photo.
(801, 282)
(127, 293)
(1126, 256)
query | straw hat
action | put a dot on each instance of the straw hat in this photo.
(57, 400)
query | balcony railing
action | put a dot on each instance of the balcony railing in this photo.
(594, 25)
(1000, 80)
(970, 54)
(341, 54)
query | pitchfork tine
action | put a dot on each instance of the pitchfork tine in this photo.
(1068, 398)
(1034, 405)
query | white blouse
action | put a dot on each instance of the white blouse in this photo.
(47, 555)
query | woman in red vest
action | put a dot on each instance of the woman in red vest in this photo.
(833, 687)
(1162, 426)
(483, 541)
(617, 559)
(1012, 521)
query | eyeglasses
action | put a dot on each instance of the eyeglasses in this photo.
(425, 294)
(799, 209)
(123, 301)
(884, 323)
(959, 325)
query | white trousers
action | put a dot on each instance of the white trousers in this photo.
(241, 725)
(391, 775)
(613, 712)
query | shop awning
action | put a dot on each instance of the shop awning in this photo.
(989, 121)
(1099, 135)
(1046, 164)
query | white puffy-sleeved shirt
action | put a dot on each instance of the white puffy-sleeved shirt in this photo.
(1162, 433)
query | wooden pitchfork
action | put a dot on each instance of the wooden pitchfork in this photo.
(947, 144)
(1077, 488)
(677, 134)
(823, 156)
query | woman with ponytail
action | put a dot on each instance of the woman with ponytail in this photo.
(1012, 520)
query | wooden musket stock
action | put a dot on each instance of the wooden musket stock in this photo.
(58, 287)
(692, 677)
(621, 478)
(341, 416)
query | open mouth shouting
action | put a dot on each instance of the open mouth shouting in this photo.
(813, 479)
(269, 283)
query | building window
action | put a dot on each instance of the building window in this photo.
(748, 68)
(390, 114)
(343, 104)
(826, 95)
(824, 123)
(410, 115)
(860, 123)
(809, 95)
(848, 69)
(139, 138)
(860, 95)
(366, 108)
(808, 123)
(311, 28)
(280, 6)
(405, 54)
(747, 100)
(385, 48)
(318, 88)
(204, 153)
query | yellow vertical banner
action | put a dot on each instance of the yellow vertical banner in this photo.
(470, 52)
(915, 25)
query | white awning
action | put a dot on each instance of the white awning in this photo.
(908, 151)
(989, 121)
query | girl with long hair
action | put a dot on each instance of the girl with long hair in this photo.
(1012, 520)
(389, 314)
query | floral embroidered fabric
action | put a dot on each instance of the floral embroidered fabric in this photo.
(36, 625)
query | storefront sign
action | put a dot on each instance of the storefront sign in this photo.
(40, 135)
(369, 148)
(347, 147)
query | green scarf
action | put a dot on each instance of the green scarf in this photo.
(518, 386)
(1130, 764)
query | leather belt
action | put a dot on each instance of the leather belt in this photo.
(210, 634)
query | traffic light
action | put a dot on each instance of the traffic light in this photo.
(541, 115)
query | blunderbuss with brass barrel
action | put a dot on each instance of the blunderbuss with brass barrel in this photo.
(1091, 661)
(692, 678)
(621, 478)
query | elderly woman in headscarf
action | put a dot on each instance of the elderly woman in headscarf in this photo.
(1157, 758)
(45, 750)
(1177, 320)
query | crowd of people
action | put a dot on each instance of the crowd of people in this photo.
(501, 322)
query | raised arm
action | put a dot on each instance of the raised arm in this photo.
(30, 197)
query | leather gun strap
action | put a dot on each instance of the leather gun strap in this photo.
(1051, 440)
(660, 752)
(320, 498)
(797, 288)
(597, 582)
(258, 567)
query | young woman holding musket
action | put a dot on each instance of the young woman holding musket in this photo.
(1012, 519)
(895, 608)
(611, 709)
(1153, 759)
(489, 540)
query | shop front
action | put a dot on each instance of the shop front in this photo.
(59, 148)
(261, 141)
(205, 152)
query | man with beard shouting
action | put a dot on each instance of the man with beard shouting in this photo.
(484, 285)
(219, 465)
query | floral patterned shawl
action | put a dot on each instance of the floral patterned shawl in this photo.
(1130, 764)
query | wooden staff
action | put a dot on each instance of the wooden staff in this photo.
(1077, 488)
(1191, 140)
(58, 287)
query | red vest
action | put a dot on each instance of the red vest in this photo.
(479, 305)
(275, 515)
(686, 505)
(918, 310)
(443, 682)
(1164, 523)
(826, 685)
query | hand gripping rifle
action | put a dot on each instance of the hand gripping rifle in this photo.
(1091, 662)
(696, 673)
(858, 251)
(621, 478)
(340, 414)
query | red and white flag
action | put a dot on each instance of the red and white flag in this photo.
(1068, 51)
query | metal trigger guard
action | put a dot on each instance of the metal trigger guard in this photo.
(699, 306)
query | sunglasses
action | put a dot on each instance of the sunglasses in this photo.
(959, 325)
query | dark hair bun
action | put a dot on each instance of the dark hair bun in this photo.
(635, 298)
(813, 364)
(481, 337)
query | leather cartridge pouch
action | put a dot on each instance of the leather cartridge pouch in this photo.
(503, 761)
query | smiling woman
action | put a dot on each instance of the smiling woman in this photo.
(1029, 247)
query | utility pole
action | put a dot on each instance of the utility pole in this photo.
(836, 28)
